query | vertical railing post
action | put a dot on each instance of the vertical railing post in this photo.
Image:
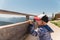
(27, 17)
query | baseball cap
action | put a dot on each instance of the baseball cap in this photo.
(41, 17)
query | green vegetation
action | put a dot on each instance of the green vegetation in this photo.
(53, 19)
(56, 23)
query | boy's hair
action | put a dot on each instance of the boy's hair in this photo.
(45, 18)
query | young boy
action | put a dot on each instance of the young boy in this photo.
(43, 31)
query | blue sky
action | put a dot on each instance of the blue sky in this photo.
(31, 6)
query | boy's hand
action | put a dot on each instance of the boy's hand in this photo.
(30, 22)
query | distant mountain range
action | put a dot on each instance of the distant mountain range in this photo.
(10, 20)
(13, 19)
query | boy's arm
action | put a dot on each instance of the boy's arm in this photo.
(33, 31)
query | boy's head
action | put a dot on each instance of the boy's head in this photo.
(41, 19)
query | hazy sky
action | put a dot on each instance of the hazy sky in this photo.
(31, 6)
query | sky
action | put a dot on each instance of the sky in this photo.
(31, 6)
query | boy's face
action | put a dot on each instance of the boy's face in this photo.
(39, 22)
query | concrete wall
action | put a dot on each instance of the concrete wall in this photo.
(13, 31)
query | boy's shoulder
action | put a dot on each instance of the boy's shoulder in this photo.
(48, 28)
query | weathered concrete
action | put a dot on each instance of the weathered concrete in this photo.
(27, 18)
(13, 31)
(14, 13)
